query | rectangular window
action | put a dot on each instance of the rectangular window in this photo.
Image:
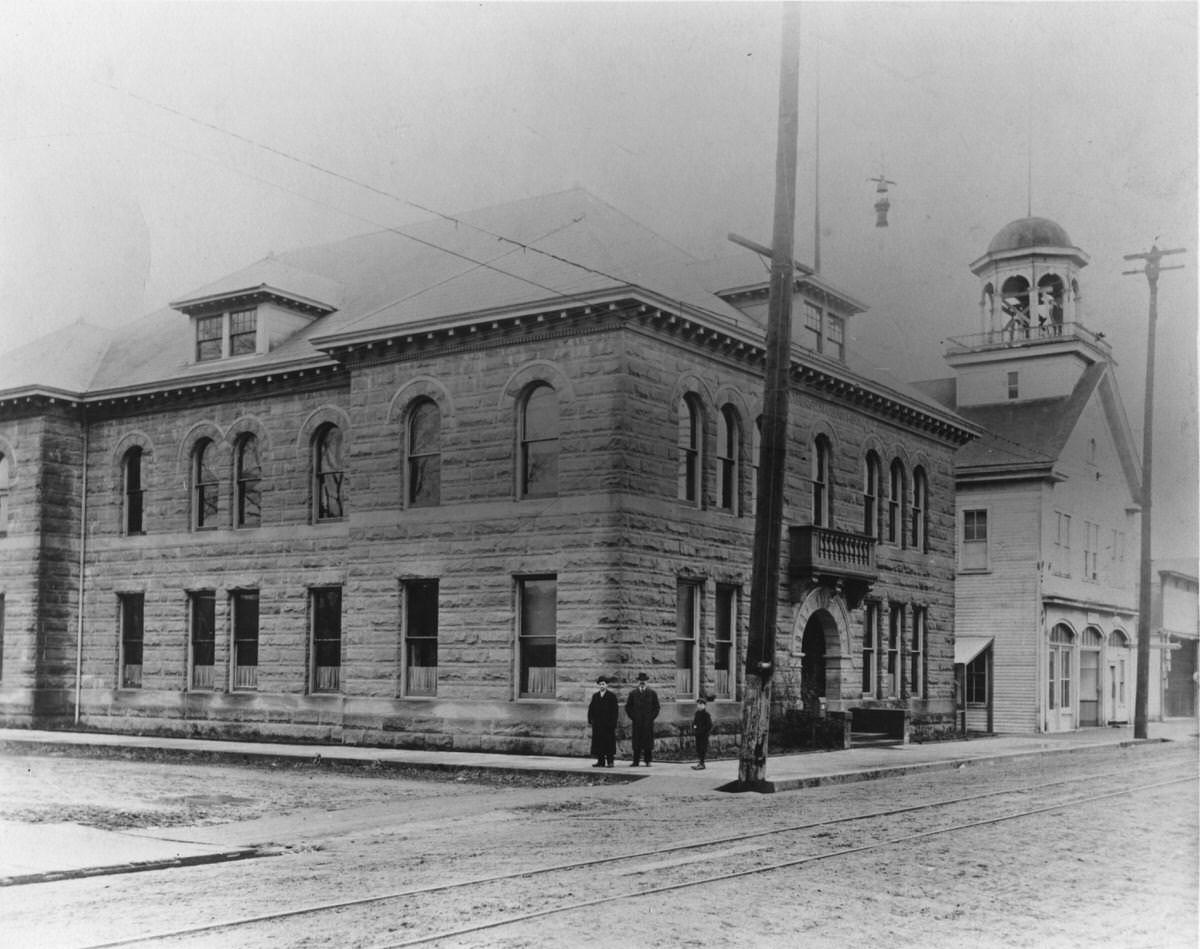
(892, 674)
(812, 328)
(870, 648)
(687, 625)
(210, 332)
(130, 606)
(203, 618)
(724, 646)
(835, 337)
(244, 606)
(243, 332)
(420, 637)
(1091, 550)
(977, 680)
(326, 612)
(975, 540)
(537, 646)
(916, 654)
(1014, 388)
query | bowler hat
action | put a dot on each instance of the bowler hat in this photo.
(600, 679)
(642, 677)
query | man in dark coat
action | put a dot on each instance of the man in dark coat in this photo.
(603, 712)
(642, 709)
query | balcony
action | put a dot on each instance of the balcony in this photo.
(837, 556)
(1025, 336)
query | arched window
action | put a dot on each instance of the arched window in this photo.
(249, 482)
(424, 454)
(729, 450)
(872, 487)
(822, 482)
(131, 490)
(1050, 293)
(1060, 667)
(539, 443)
(688, 444)
(5, 482)
(329, 474)
(919, 510)
(1014, 301)
(205, 487)
(895, 512)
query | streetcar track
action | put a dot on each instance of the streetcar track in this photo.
(770, 868)
(662, 851)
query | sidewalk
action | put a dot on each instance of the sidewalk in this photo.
(35, 853)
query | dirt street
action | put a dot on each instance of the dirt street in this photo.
(1100, 850)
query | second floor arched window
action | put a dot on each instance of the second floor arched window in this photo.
(249, 482)
(822, 482)
(729, 451)
(688, 445)
(205, 486)
(132, 491)
(424, 447)
(918, 512)
(5, 482)
(538, 436)
(329, 474)
(895, 508)
(872, 486)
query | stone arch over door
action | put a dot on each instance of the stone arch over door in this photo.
(821, 640)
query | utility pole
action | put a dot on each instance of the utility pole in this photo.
(768, 522)
(1142, 696)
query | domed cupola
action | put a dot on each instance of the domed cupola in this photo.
(1030, 277)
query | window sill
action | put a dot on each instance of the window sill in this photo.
(974, 570)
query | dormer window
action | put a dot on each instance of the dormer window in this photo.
(231, 333)
(823, 332)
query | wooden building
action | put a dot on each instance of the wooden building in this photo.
(1048, 499)
(417, 488)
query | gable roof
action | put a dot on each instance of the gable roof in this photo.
(1027, 438)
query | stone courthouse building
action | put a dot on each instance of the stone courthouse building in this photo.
(418, 488)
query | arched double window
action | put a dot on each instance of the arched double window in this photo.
(132, 491)
(895, 509)
(918, 512)
(872, 489)
(424, 448)
(329, 474)
(822, 482)
(729, 452)
(688, 444)
(248, 475)
(538, 436)
(205, 485)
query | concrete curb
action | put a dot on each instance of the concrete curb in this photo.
(54, 876)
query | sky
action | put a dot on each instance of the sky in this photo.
(147, 149)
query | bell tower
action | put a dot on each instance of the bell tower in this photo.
(1032, 342)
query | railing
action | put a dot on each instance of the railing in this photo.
(1019, 334)
(204, 677)
(245, 677)
(822, 550)
(422, 680)
(328, 678)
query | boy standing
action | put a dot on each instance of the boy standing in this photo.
(701, 726)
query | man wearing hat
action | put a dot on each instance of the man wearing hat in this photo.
(603, 712)
(642, 709)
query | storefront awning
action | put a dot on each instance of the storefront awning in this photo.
(966, 648)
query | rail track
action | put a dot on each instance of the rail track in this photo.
(690, 863)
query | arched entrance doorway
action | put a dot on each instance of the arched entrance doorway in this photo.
(813, 684)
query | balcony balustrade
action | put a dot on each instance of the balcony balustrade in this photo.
(837, 555)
